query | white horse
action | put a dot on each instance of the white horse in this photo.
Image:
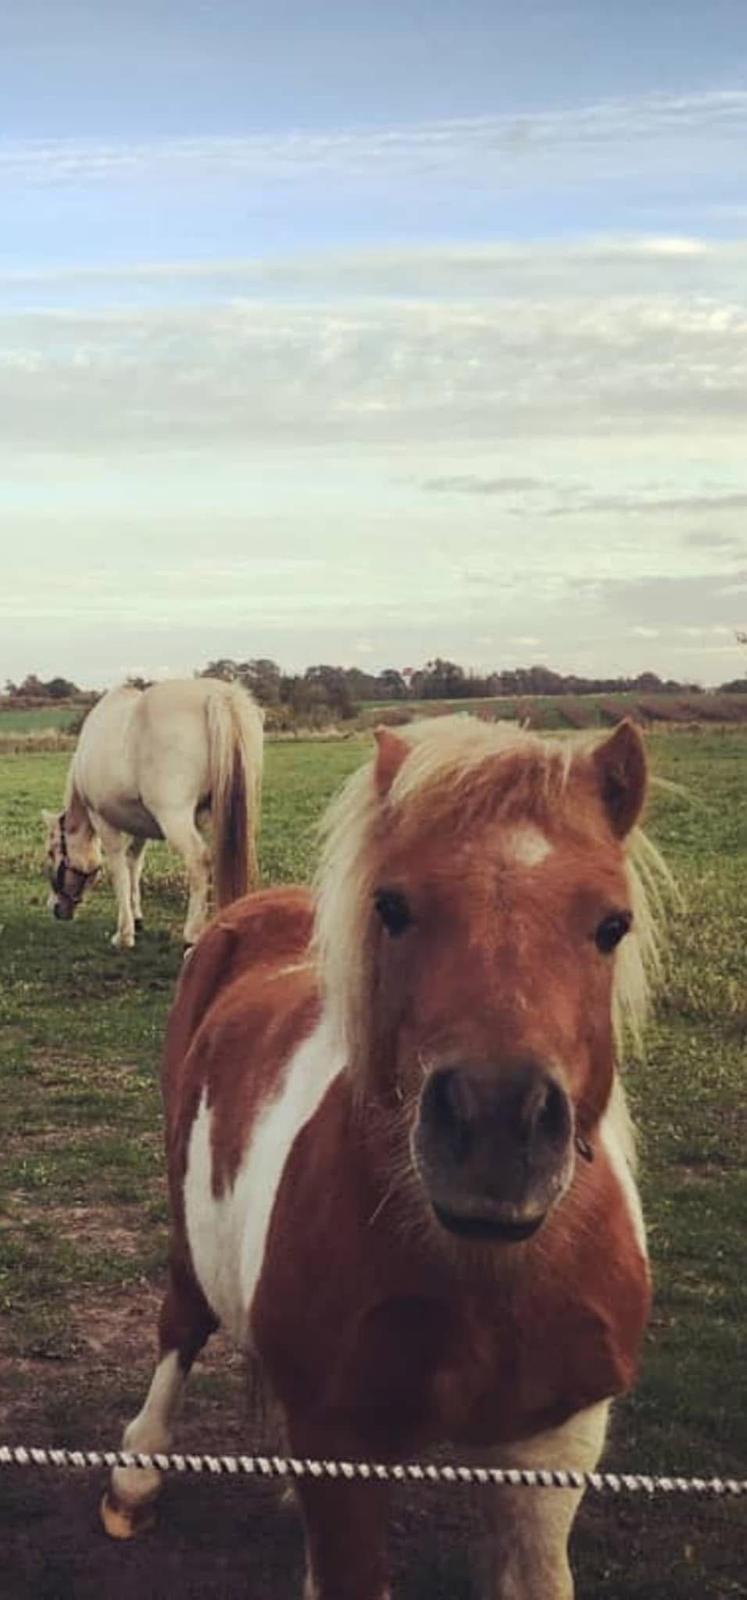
(151, 764)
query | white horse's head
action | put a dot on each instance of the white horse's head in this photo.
(70, 879)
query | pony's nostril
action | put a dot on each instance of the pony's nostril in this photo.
(458, 1097)
(553, 1122)
(541, 1114)
(451, 1109)
(495, 1123)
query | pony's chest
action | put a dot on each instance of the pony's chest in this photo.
(415, 1371)
(508, 1379)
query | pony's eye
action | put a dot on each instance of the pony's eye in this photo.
(391, 905)
(611, 930)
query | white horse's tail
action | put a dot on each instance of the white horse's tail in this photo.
(236, 751)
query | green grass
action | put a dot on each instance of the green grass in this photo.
(82, 1210)
(37, 719)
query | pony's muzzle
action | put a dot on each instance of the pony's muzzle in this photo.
(494, 1147)
(62, 908)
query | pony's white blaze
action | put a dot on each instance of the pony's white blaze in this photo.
(227, 1234)
(616, 1134)
(526, 846)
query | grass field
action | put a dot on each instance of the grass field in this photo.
(38, 719)
(82, 1220)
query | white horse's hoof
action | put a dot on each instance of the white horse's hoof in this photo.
(123, 941)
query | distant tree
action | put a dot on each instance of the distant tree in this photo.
(61, 689)
(224, 669)
(440, 680)
(324, 691)
(262, 678)
(542, 680)
(134, 681)
(332, 688)
(32, 686)
(362, 685)
(391, 685)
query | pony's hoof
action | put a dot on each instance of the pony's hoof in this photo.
(123, 1523)
(123, 941)
(139, 924)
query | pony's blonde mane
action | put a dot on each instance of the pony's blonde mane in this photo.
(454, 766)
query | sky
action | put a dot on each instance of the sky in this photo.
(366, 334)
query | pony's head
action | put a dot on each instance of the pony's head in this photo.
(483, 933)
(69, 881)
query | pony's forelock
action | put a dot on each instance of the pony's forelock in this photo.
(452, 765)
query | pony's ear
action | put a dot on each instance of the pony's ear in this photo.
(621, 772)
(390, 753)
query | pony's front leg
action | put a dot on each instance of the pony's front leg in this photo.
(185, 1324)
(115, 846)
(532, 1526)
(346, 1556)
(345, 1540)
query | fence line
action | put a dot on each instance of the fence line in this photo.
(404, 1472)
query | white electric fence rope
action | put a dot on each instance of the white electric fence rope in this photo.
(405, 1472)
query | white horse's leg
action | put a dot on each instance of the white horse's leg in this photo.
(181, 831)
(115, 849)
(135, 861)
(532, 1526)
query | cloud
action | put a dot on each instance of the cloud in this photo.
(605, 136)
(632, 505)
(583, 270)
(246, 372)
(709, 540)
(471, 483)
(697, 606)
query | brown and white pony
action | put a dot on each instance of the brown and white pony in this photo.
(150, 764)
(399, 1157)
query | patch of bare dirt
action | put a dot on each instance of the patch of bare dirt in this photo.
(101, 1227)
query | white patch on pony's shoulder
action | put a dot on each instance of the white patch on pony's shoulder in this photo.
(526, 845)
(227, 1234)
(616, 1133)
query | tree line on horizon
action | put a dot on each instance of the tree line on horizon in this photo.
(339, 691)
